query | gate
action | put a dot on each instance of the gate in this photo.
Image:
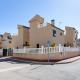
(4, 52)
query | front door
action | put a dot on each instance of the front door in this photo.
(37, 45)
(4, 52)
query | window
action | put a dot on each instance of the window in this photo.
(76, 38)
(9, 41)
(54, 33)
(61, 33)
(8, 37)
(26, 44)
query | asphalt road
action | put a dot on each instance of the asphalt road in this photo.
(11, 69)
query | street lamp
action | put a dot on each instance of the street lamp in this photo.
(48, 42)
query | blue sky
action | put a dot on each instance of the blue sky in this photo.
(13, 12)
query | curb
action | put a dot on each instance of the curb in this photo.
(68, 60)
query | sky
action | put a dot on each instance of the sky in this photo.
(13, 12)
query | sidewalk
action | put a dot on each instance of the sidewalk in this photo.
(69, 60)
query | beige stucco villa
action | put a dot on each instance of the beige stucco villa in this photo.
(40, 33)
(45, 34)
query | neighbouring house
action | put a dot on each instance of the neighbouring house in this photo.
(22, 38)
(78, 42)
(1, 39)
(7, 40)
(15, 41)
(41, 33)
(71, 35)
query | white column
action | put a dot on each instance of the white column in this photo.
(59, 47)
(24, 49)
(42, 49)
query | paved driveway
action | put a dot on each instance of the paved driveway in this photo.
(11, 69)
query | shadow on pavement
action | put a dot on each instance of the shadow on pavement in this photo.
(16, 61)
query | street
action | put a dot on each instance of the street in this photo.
(17, 70)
